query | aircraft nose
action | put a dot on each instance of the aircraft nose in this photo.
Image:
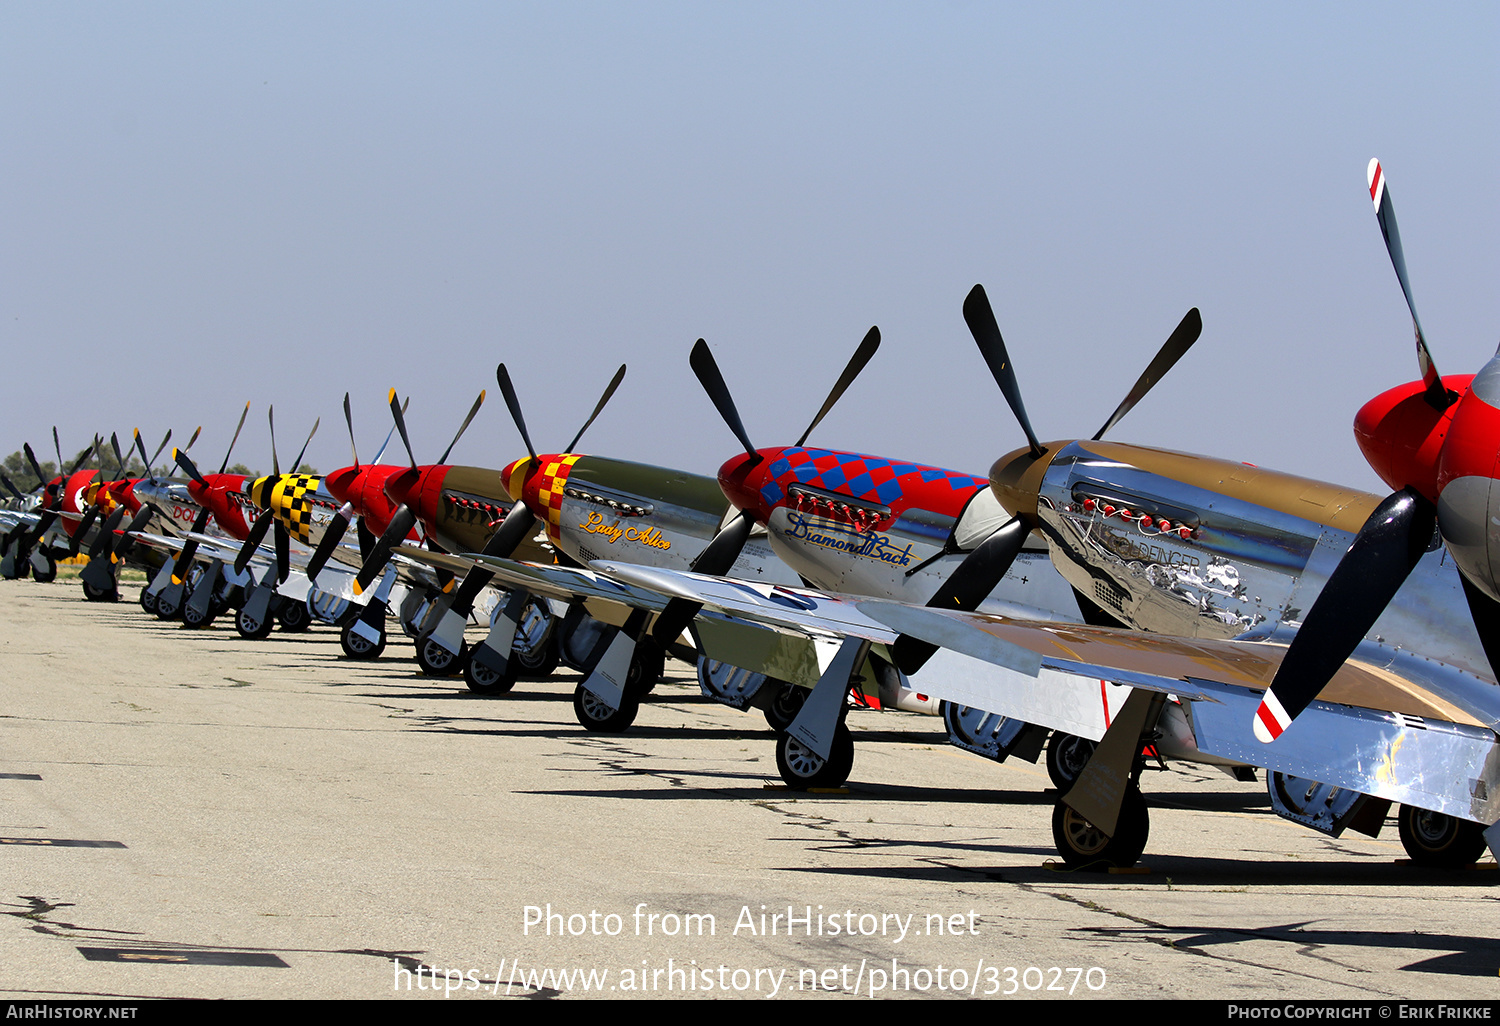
(403, 488)
(540, 484)
(514, 475)
(742, 478)
(1016, 479)
(1402, 437)
(260, 490)
(343, 483)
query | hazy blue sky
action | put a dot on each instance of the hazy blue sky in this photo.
(209, 203)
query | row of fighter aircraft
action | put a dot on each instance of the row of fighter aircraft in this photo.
(1126, 602)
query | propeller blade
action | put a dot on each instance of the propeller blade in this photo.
(514, 405)
(399, 412)
(332, 535)
(979, 574)
(36, 468)
(243, 414)
(982, 325)
(185, 557)
(57, 448)
(83, 457)
(137, 523)
(104, 544)
(395, 534)
(188, 466)
(252, 540)
(271, 419)
(856, 364)
(1179, 342)
(367, 539)
(613, 384)
(707, 370)
(283, 552)
(196, 432)
(11, 487)
(49, 512)
(140, 447)
(303, 451)
(349, 419)
(514, 529)
(462, 428)
(391, 433)
(716, 560)
(1388, 546)
(1385, 213)
(114, 441)
(76, 542)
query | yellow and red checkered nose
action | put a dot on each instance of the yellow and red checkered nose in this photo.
(542, 488)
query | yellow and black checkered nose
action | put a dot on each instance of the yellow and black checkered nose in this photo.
(287, 497)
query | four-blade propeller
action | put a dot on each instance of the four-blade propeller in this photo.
(719, 556)
(1393, 539)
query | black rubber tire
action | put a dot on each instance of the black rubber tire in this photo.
(252, 630)
(437, 661)
(356, 647)
(785, 704)
(1083, 846)
(1067, 755)
(294, 617)
(596, 716)
(484, 681)
(46, 576)
(802, 770)
(541, 662)
(166, 611)
(94, 594)
(647, 663)
(190, 618)
(1438, 841)
(148, 601)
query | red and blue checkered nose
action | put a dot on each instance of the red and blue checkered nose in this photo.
(896, 484)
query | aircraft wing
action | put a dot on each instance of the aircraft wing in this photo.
(209, 546)
(554, 582)
(1388, 724)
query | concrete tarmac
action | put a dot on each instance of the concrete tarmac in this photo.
(187, 814)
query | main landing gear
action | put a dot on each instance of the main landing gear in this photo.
(94, 594)
(1067, 755)
(295, 617)
(595, 714)
(802, 769)
(46, 573)
(1084, 846)
(437, 661)
(357, 646)
(1080, 816)
(646, 665)
(251, 626)
(623, 660)
(1438, 841)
